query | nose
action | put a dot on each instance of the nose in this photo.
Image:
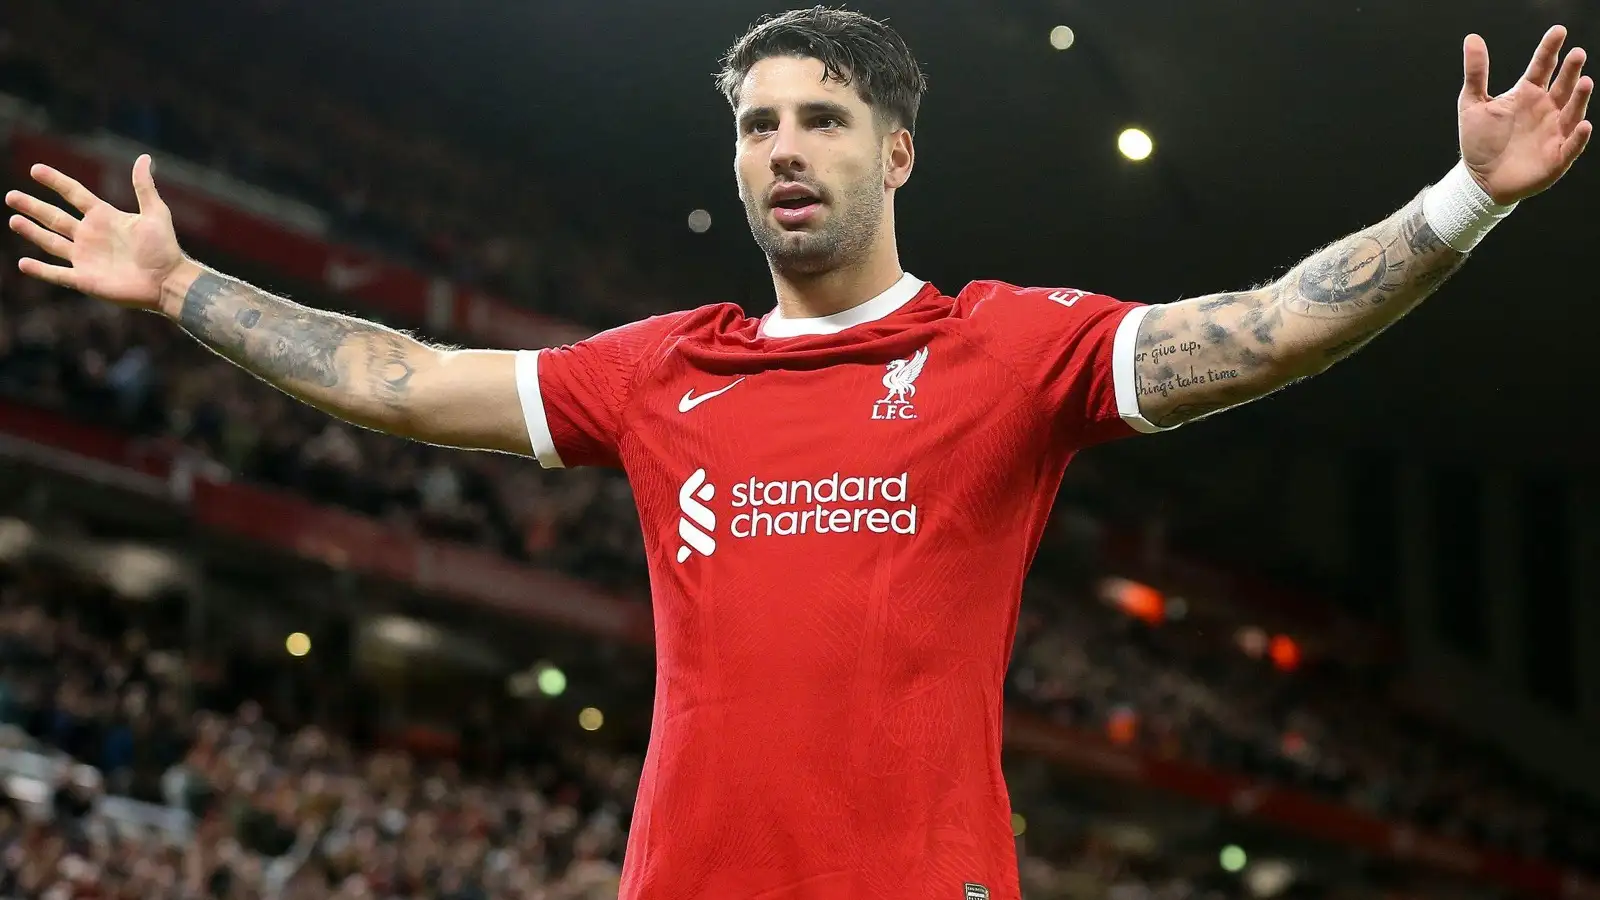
(787, 156)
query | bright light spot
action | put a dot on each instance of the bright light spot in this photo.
(1142, 602)
(591, 719)
(298, 644)
(1233, 858)
(1285, 653)
(1061, 37)
(1135, 144)
(1018, 824)
(552, 681)
(699, 221)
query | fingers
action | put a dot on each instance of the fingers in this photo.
(48, 241)
(61, 276)
(1567, 80)
(144, 184)
(1543, 65)
(52, 217)
(1577, 106)
(79, 196)
(1475, 64)
(1576, 143)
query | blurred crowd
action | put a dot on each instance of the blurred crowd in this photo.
(1183, 692)
(271, 802)
(1167, 689)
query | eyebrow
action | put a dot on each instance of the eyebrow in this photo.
(809, 109)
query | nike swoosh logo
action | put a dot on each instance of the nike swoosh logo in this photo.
(690, 401)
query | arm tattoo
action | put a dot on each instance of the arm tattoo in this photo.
(1349, 279)
(335, 362)
(277, 340)
(1199, 356)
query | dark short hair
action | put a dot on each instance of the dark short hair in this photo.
(854, 49)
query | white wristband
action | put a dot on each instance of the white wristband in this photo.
(1459, 211)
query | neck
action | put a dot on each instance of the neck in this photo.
(807, 296)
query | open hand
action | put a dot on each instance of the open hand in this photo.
(1523, 141)
(114, 255)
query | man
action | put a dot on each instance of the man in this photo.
(840, 499)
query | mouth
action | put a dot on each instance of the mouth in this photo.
(794, 204)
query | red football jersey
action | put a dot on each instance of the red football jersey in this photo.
(838, 514)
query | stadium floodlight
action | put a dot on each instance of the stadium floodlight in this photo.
(1135, 144)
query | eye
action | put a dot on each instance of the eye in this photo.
(829, 122)
(759, 126)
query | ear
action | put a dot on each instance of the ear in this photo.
(900, 155)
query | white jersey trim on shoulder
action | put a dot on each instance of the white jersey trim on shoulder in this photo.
(898, 295)
(544, 443)
(1124, 352)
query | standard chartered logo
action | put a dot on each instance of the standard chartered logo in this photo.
(836, 504)
(698, 520)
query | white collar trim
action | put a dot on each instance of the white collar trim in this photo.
(898, 295)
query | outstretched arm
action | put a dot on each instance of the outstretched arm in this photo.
(1198, 356)
(359, 371)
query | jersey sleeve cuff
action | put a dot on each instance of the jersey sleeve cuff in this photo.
(1124, 350)
(539, 436)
